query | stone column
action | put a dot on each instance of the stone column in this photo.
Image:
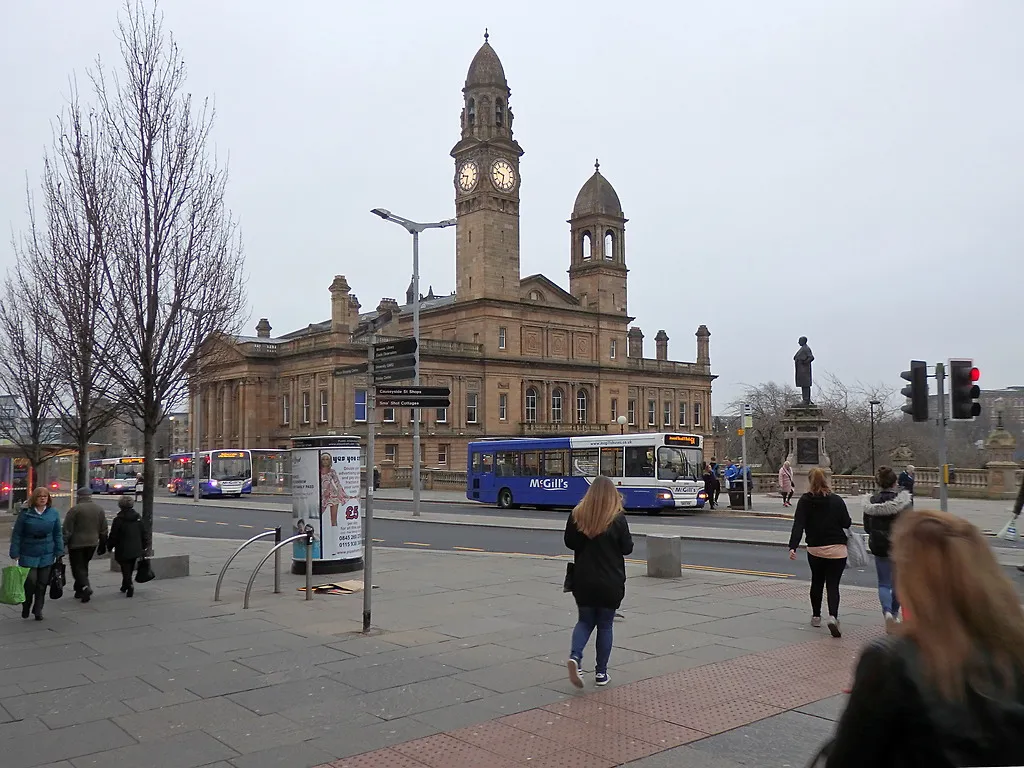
(803, 430)
(1002, 469)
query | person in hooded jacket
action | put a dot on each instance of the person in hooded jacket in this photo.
(825, 519)
(880, 514)
(128, 540)
(948, 689)
(85, 532)
(37, 542)
(710, 481)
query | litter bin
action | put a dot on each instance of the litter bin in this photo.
(736, 498)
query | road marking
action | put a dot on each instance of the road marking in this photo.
(199, 521)
(222, 523)
(469, 549)
(415, 544)
(740, 571)
(378, 541)
(244, 526)
(183, 519)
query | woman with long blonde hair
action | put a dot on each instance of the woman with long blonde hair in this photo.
(948, 690)
(599, 537)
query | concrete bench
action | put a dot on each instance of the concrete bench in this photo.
(664, 557)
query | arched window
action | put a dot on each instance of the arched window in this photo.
(471, 111)
(609, 246)
(581, 407)
(586, 246)
(499, 113)
(556, 406)
(531, 405)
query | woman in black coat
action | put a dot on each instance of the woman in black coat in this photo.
(128, 540)
(599, 537)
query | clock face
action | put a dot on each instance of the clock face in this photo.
(467, 176)
(503, 175)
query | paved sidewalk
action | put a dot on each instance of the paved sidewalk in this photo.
(464, 667)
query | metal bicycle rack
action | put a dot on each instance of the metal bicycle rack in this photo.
(276, 533)
(308, 536)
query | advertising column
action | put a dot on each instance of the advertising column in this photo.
(325, 495)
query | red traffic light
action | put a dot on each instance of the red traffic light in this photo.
(975, 374)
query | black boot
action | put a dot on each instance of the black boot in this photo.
(37, 609)
(26, 607)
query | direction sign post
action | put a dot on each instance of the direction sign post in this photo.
(352, 370)
(388, 349)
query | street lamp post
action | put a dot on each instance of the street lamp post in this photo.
(621, 421)
(414, 228)
(873, 403)
(198, 420)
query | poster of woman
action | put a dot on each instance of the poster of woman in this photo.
(326, 476)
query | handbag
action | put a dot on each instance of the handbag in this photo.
(856, 550)
(58, 578)
(567, 585)
(12, 586)
(144, 572)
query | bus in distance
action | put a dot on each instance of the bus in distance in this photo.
(222, 473)
(116, 475)
(653, 472)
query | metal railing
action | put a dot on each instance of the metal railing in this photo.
(276, 533)
(308, 536)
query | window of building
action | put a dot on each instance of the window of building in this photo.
(305, 407)
(389, 414)
(652, 413)
(391, 453)
(442, 454)
(286, 409)
(586, 246)
(615, 409)
(471, 111)
(696, 414)
(682, 414)
(501, 338)
(531, 405)
(609, 246)
(323, 406)
(423, 453)
(667, 414)
(441, 416)
(582, 409)
(503, 407)
(472, 403)
(499, 113)
(611, 349)
(360, 405)
(556, 406)
(631, 412)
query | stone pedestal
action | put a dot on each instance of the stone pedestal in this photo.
(1002, 469)
(803, 430)
(164, 567)
(664, 557)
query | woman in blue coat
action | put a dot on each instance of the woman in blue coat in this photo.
(36, 542)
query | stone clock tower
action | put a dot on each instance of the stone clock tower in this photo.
(486, 186)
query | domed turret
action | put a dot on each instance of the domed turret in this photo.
(597, 196)
(597, 267)
(486, 69)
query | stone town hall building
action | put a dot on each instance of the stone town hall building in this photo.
(521, 355)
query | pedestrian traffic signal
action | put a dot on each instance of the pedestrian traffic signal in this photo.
(917, 392)
(964, 390)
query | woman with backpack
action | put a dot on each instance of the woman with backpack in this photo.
(599, 537)
(880, 514)
(128, 540)
(37, 542)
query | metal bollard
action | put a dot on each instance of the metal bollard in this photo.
(309, 562)
(277, 561)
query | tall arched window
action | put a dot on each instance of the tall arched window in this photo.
(471, 111)
(586, 246)
(609, 246)
(581, 407)
(499, 113)
(556, 406)
(531, 405)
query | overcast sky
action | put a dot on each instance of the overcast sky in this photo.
(847, 170)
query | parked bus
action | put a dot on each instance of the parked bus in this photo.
(222, 473)
(116, 475)
(653, 471)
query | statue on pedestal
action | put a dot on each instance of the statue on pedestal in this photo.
(802, 360)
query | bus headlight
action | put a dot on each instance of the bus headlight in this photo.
(664, 495)
(214, 483)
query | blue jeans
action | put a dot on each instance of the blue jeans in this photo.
(886, 590)
(589, 618)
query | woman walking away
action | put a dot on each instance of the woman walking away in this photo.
(37, 542)
(949, 689)
(709, 485)
(598, 535)
(128, 540)
(880, 513)
(824, 517)
(85, 532)
(786, 483)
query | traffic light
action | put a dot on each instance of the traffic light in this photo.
(917, 392)
(964, 390)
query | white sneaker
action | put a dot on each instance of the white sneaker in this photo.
(602, 679)
(890, 623)
(574, 672)
(833, 626)
(815, 621)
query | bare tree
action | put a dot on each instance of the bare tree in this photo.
(27, 373)
(176, 246)
(65, 254)
(768, 403)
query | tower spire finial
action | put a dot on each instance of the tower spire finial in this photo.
(597, 166)
(487, 35)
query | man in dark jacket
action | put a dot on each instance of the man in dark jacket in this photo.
(85, 534)
(880, 513)
(906, 480)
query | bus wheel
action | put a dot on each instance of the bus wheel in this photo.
(504, 499)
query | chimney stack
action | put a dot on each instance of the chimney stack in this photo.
(263, 329)
(635, 343)
(340, 319)
(703, 346)
(661, 340)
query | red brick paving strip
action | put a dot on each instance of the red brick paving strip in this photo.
(631, 721)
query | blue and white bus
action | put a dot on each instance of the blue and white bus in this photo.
(654, 471)
(222, 473)
(116, 475)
